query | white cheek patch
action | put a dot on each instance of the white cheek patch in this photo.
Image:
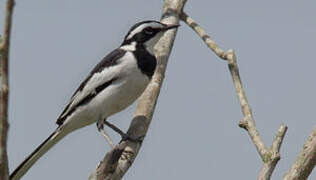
(143, 26)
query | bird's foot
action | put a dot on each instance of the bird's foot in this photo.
(133, 139)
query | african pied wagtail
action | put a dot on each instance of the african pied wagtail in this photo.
(115, 83)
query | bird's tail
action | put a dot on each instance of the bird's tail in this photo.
(36, 154)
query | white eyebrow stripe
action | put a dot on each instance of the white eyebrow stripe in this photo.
(143, 26)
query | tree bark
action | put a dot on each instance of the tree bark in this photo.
(4, 92)
(118, 160)
(270, 156)
(305, 162)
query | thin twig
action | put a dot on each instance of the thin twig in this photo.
(147, 102)
(100, 126)
(269, 166)
(4, 94)
(276, 144)
(248, 122)
(107, 138)
(305, 162)
(206, 38)
(270, 156)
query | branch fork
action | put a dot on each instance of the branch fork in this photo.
(271, 156)
(118, 160)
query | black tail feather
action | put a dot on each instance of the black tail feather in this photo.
(13, 174)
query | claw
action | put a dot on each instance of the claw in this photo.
(127, 137)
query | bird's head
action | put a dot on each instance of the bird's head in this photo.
(146, 33)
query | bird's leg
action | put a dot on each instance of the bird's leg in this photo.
(119, 131)
(116, 129)
(100, 126)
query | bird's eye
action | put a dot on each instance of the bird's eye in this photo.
(149, 31)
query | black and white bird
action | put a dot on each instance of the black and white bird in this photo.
(115, 83)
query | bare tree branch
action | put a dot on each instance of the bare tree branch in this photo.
(270, 156)
(4, 94)
(206, 38)
(269, 166)
(114, 166)
(1, 40)
(306, 160)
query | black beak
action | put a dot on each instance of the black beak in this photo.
(171, 27)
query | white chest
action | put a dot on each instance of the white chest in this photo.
(123, 92)
(130, 84)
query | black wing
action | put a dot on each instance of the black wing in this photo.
(109, 60)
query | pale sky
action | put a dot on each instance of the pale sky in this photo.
(194, 132)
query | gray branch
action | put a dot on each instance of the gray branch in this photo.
(117, 161)
(271, 156)
(4, 94)
(306, 160)
(269, 166)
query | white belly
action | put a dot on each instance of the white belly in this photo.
(122, 94)
(130, 84)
